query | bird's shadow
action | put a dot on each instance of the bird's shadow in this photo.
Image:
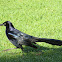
(32, 52)
(38, 49)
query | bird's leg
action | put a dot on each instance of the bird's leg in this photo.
(31, 45)
(35, 43)
(19, 46)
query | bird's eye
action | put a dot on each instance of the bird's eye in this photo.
(4, 24)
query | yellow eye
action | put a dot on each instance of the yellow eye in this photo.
(4, 23)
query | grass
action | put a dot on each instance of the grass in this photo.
(39, 18)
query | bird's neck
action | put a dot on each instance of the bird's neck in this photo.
(9, 28)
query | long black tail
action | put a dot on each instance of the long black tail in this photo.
(50, 41)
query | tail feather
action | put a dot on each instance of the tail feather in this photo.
(50, 41)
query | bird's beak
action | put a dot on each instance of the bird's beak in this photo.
(1, 24)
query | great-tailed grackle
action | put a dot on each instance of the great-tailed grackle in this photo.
(19, 38)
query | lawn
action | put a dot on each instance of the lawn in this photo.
(39, 18)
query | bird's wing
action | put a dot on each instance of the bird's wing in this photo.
(20, 36)
(15, 33)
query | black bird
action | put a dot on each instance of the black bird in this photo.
(19, 38)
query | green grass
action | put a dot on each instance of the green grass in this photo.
(39, 18)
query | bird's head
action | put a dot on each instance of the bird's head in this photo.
(7, 24)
